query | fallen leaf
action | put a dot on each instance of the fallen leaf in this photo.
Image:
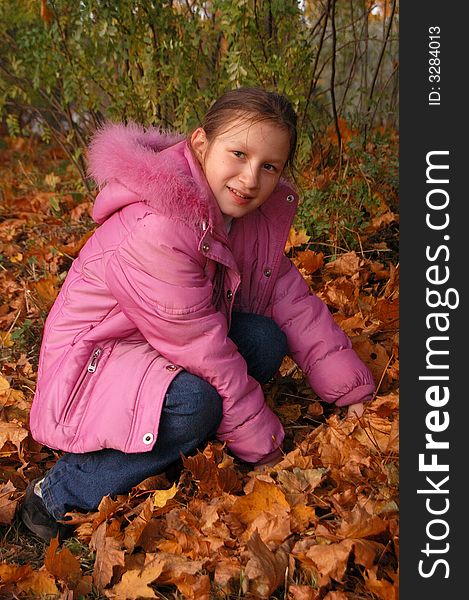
(345, 264)
(161, 497)
(39, 583)
(62, 565)
(265, 498)
(385, 590)
(7, 503)
(302, 592)
(5, 339)
(14, 433)
(265, 569)
(311, 261)
(360, 524)
(136, 583)
(227, 574)
(109, 554)
(296, 238)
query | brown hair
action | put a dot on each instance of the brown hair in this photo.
(255, 104)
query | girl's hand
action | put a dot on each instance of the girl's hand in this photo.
(355, 410)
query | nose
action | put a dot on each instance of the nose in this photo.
(249, 176)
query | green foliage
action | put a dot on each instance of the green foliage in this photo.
(163, 62)
(337, 212)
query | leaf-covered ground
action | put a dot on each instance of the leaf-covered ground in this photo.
(321, 524)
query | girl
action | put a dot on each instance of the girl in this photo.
(179, 307)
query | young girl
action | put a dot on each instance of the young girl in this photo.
(179, 307)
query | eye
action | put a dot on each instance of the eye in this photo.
(238, 153)
(269, 167)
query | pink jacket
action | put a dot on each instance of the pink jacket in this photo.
(151, 293)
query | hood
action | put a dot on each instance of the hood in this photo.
(137, 164)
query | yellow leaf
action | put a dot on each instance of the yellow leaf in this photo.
(161, 497)
(17, 258)
(265, 497)
(296, 238)
(51, 180)
(4, 384)
(5, 339)
(40, 583)
(135, 583)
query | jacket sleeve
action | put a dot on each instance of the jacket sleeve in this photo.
(157, 276)
(316, 343)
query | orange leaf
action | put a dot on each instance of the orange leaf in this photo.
(108, 555)
(135, 583)
(134, 531)
(46, 14)
(14, 433)
(63, 565)
(227, 574)
(328, 560)
(7, 504)
(360, 524)
(376, 357)
(296, 238)
(346, 264)
(46, 291)
(265, 497)
(381, 587)
(40, 583)
(265, 570)
(302, 592)
(311, 261)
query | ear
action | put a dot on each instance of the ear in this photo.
(199, 143)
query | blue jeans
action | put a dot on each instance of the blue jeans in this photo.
(191, 413)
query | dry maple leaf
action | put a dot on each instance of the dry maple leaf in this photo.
(227, 574)
(360, 524)
(346, 264)
(311, 261)
(265, 570)
(302, 592)
(296, 238)
(109, 554)
(161, 497)
(22, 578)
(62, 565)
(327, 561)
(264, 498)
(14, 433)
(384, 589)
(135, 529)
(136, 583)
(210, 477)
(7, 503)
(342, 294)
(185, 574)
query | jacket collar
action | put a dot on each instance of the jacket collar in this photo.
(159, 168)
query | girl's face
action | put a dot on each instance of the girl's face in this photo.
(243, 164)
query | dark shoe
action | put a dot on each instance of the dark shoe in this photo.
(36, 518)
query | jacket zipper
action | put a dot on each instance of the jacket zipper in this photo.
(92, 365)
(94, 360)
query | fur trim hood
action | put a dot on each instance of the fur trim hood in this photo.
(131, 163)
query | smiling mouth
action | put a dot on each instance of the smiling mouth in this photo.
(239, 194)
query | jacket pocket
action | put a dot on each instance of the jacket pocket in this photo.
(80, 387)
